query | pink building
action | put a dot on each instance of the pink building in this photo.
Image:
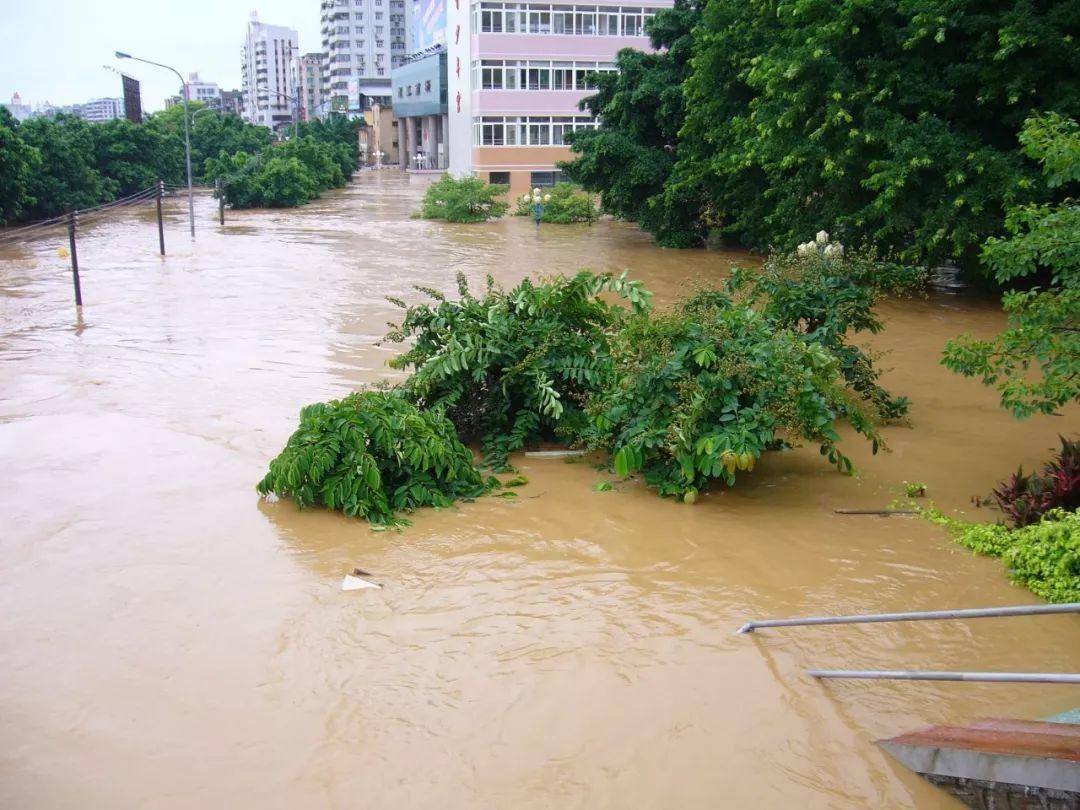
(516, 72)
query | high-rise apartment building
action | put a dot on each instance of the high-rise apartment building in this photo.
(517, 72)
(307, 75)
(268, 91)
(362, 41)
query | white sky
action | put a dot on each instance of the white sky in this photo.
(54, 49)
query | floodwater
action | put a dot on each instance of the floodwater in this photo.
(169, 641)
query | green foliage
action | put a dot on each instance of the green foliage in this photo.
(213, 134)
(1043, 329)
(19, 162)
(282, 175)
(914, 489)
(826, 295)
(629, 159)
(1043, 557)
(66, 173)
(371, 455)
(564, 203)
(512, 368)
(700, 394)
(891, 122)
(468, 199)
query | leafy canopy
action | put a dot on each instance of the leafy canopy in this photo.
(563, 204)
(1035, 363)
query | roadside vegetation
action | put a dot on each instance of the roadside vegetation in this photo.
(47, 164)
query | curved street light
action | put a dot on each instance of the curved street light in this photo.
(187, 131)
(538, 201)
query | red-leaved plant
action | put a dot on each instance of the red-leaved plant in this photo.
(1026, 498)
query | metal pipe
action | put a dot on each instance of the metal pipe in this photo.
(72, 219)
(903, 675)
(975, 613)
(160, 224)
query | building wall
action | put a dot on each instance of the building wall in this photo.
(535, 38)
(307, 75)
(267, 53)
(363, 40)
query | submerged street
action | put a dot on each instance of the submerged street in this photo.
(171, 641)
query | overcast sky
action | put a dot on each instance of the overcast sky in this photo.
(54, 49)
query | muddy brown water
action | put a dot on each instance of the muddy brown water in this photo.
(169, 641)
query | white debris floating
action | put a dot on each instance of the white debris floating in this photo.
(355, 583)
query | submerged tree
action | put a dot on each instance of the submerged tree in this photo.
(1035, 363)
(630, 157)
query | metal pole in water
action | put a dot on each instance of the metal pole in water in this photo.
(975, 613)
(160, 225)
(904, 675)
(220, 201)
(74, 257)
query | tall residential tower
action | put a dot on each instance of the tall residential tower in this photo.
(269, 98)
(362, 41)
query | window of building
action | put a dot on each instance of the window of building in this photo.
(534, 130)
(544, 179)
(499, 178)
(562, 19)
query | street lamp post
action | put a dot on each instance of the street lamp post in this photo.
(538, 201)
(187, 132)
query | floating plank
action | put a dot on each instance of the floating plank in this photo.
(997, 762)
(885, 512)
(553, 453)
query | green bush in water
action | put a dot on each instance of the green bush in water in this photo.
(468, 199)
(1044, 557)
(372, 454)
(698, 395)
(564, 203)
(512, 368)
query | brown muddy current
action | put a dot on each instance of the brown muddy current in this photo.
(169, 641)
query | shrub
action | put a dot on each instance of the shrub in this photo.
(826, 295)
(1043, 557)
(282, 175)
(702, 393)
(1026, 498)
(563, 204)
(373, 454)
(468, 199)
(511, 368)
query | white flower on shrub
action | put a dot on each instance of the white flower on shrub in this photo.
(820, 246)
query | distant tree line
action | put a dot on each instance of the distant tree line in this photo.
(47, 164)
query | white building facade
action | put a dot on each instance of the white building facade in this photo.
(101, 109)
(516, 73)
(206, 92)
(362, 40)
(306, 73)
(268, 51)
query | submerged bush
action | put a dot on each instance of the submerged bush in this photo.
(700, 394)
(1044, 557)
(372, 454)
(563, 204)
(826, 295)
(468, 199)
(1026, 498)
(512, 368)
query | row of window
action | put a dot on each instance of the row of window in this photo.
(535, 178)
(527, 130)
(532, 74)
(535, 18)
